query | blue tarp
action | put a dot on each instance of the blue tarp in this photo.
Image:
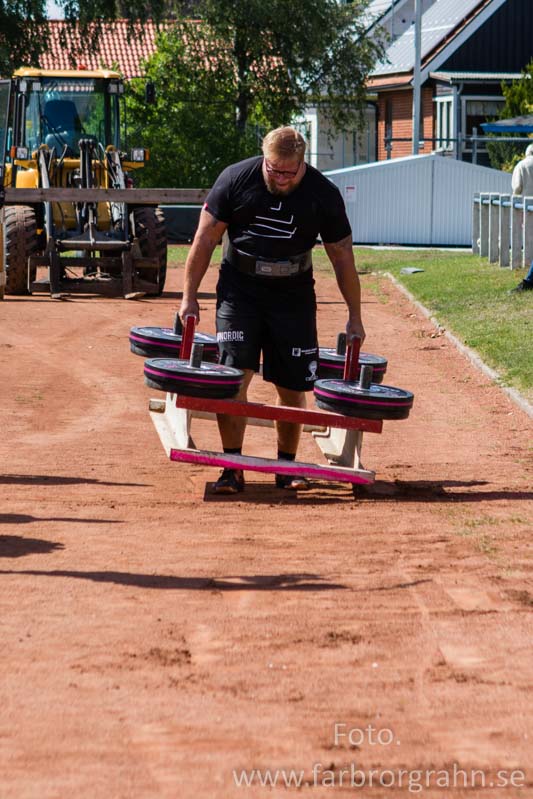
(522, 124)
(181, 222)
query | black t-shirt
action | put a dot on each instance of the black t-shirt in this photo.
(273, 226)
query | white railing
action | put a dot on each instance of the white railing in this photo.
(502, 229)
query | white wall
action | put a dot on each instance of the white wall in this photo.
(343, 151)
(421, 200)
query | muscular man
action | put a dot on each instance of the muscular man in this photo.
(273, 208)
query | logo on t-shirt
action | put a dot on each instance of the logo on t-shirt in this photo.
(277, 225)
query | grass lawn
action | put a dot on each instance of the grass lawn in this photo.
(467, 295)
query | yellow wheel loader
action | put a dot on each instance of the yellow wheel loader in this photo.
(69, 202)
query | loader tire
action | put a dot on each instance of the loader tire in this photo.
(149, 227)
(20, 241)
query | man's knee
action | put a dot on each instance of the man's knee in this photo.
(289, 396)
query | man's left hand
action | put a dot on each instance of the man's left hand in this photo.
(354, 327)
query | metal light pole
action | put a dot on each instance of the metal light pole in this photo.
(416, 76)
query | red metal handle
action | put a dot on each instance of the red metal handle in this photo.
(351, 364)
(188, 337)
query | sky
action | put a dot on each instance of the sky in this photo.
(53, 10)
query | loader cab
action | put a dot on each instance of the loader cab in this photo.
(58, 109)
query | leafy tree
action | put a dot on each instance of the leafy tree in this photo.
(518, 101)
(20, 27)
(191, 128)
(24, 28)
(247, 66)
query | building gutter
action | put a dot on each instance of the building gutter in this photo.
(460, 36)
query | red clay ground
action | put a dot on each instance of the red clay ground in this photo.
(158, 641)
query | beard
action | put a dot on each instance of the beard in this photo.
(273, 188)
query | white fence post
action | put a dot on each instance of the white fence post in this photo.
(494, 202)
(505, 228)
(502, 229)
(516, 232)
(476, 210)
(527, 252)
(484, 225)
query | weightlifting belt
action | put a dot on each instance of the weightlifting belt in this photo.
(250, 265)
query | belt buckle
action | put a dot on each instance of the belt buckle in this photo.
(274, 268)
(264, 268)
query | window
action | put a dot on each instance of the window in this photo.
(476, 110)
(444, 128)
(62, 110)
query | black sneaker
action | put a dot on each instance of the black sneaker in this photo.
(292, 482)
(231, 481)
(525, 285)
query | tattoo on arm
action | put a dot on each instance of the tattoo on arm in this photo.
(340, 248)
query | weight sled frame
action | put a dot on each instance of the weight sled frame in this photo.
(338, 437)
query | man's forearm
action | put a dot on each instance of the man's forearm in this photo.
(208, 235)
(341, 257)
(342, 260)
(350, 288)
(196, 266)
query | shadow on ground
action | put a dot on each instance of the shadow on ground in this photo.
(50, 479)
(381, 491)
(15, 546)
(259, 582)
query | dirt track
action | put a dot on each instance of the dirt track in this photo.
(156, 638)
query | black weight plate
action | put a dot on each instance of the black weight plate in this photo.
(209, 380)
(375, 402)
(162, 342)
(331, 364)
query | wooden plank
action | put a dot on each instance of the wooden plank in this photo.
(282, 413)
(172, 424)
(272, 466)
(129, 196)
(341, 447)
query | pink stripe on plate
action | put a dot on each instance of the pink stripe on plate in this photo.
(191, 379)
(172, 345)
(361, 401)
(340, 366)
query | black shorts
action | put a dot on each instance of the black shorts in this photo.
(273, 316)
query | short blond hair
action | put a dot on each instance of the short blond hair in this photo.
(284, 142)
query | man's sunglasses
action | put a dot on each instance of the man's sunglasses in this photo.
(280, 173)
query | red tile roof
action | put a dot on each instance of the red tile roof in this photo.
(117, 48)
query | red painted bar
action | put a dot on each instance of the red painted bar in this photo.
(283, 413)
(351, 363)
(270, 466)
(188, 338)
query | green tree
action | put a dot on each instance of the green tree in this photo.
(247, 66)
(24, 28)
(191, 128)
(518, 101)
(20, 27)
